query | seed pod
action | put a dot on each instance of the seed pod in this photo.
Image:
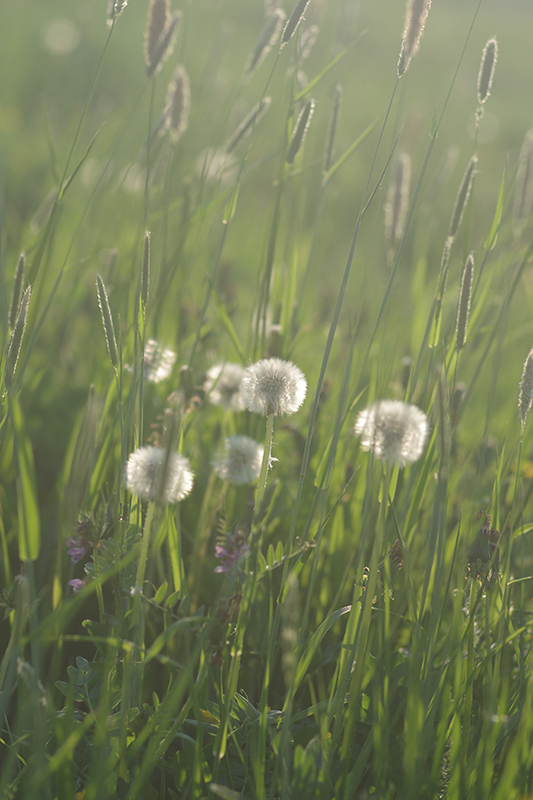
(462, 196)
(486, 70)
(463, 306)
(107, 320)
(267, 38)
(293, 21)
(248, 123)
(300, 131)
(17, 291)
(15, 343)
(415, 20)
(158, 13)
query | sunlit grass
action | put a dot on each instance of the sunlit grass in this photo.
(344, 610)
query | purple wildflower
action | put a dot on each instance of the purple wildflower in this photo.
(78, 547)
(234, 549)
(77, 584)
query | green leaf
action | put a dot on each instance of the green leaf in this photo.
(66, 688)
(161, 592)
(77, 677)
(29, 532)
(311, 86)
(77, 168)
(351, 150)
(491, 239)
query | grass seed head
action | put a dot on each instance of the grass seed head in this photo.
(462, 196)
(397, 201)
(463, 306)
(248, 123)
(300, 131)
(107, 320)
(267, 39)
(178, 103)
(15, 343)
(16, 294)
(415, 20)
(486, 70)
(115, 9)
(523, 194)
(160, 34)
(525, 393)
(293, 21)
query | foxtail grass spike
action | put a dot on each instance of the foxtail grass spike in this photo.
(115, 9)
(158, 16)
(397, 201)
(107, 320)
(525, 394)
(415, 20)
(300, 130)
(145, 275)
(17, 291)
(293, 21)
(267, 38)
(486, 70)
(307, 41)
(178, 103)
(15, 343)
(523, 195)
(462, 196)
(332, 128)
(463, 306)
(248, 123)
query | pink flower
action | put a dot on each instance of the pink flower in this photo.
(77, 584)
(77, 548)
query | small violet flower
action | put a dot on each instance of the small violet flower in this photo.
(235, 549)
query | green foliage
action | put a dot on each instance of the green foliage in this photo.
(344, 627)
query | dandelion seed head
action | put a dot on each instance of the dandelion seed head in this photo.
(152, 473)
(273, 386)
(393, 431)
(222, 386)
(240, 461)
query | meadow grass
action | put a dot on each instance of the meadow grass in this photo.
(330, 205)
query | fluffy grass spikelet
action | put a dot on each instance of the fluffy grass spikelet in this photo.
(107, 321)
(267, 39)
(178, 103)
(463, 306)
(397, 201)
(16, 294)
(155, 473)
(240, 461)
(300, 131)
(393, 431)
(273, 386)
(525, 393)
(486, 70)
(293, 21)
(462, 196)
(159, 35)
(248, 124)
(415, 20)
(115, 9)
(145, 273)
(15, 343)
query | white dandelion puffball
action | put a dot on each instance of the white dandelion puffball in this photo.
(147, 478)
(273, 386)
(158, 361)
(240, 461)
(393, 431)
(222, 385)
